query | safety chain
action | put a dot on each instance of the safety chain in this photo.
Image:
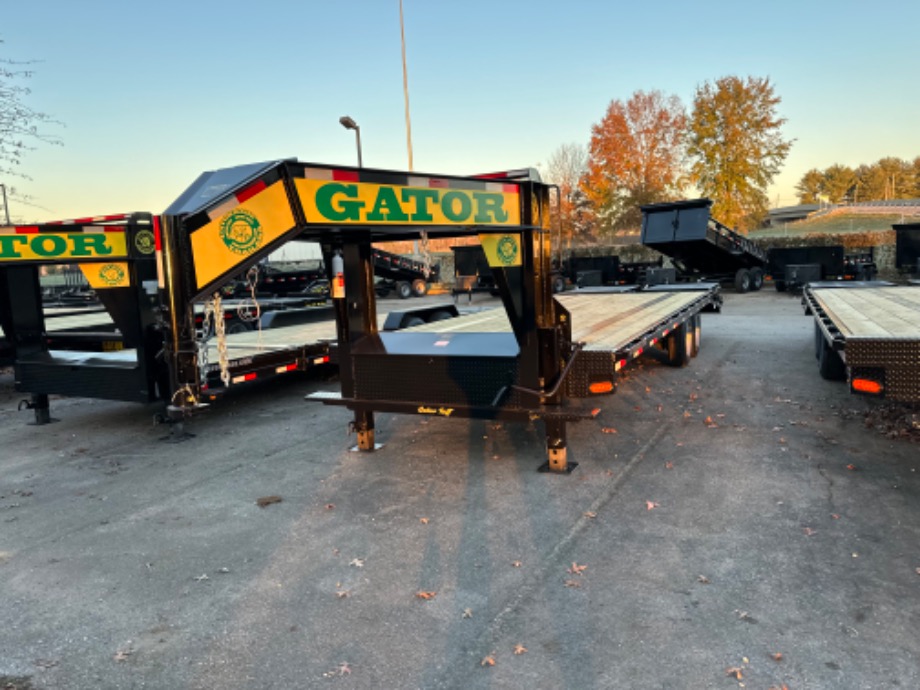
(426, 253)
(214, 313)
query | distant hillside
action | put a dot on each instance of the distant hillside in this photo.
(842, 220)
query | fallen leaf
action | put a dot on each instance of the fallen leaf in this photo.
(467, 613)
(917, 570)
(782, 439)
(734, 672)
(342, 594)
(424, 521)
(851, 467)
(835, 516)
(703, 580)
(590, 514)
(202, 578)
(669, 465)
(687, 414)
(357, 562)
(577, 569)
(330, 506)
(777, 656)
(572, 583)
(488, 661)
(660, 407)
(519, 649)
(516, 564)
(650, 505)
(808, 531)
(426, 595)
(648, 390)
(123, 654)
(608, 430)
(267, 501)
(693, 396)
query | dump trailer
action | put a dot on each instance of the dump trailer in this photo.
(868, 333)
(408, 277)
(700, 247)
(536, 371)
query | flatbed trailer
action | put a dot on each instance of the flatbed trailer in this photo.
(700, 247)
(868, 333)
(535, 371)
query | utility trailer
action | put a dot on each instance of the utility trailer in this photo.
(535, 371)
(868, 333)
(794, 267)
(700, 247)
(907, 248)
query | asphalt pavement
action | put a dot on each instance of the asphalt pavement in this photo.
(733, 523)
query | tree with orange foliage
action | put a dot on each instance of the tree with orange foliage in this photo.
(636, 157)
(736, 147)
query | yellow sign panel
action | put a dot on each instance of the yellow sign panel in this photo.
(104, 276)
(502, 250)
(365, 203)
(244, 229)
(55, 247)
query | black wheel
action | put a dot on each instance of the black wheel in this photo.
(382, 289)
(743, 280)
(680, 344)
(756, 279)
(404, 290)
(419, 287)
(819, 340)
(780, 285)
(696, 325)
(558, 284)
(411, 321)
(237, 327)
(830, 363)
(440, 315)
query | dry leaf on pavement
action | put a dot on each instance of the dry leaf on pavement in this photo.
(651, 505)
(520, 649)
(426, 595)
(577, 569)
(572, 583)
(777, 656)
(734, 672)
(267, 501)
(488, 661)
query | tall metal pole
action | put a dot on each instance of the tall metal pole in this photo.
(402, 34)
(6, 206)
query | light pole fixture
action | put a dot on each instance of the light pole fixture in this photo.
(348, 123)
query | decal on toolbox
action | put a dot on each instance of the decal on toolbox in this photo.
(502, 250)
(111, 275)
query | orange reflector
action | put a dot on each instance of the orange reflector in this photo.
(867, 386)
(601, 387)
(285, 368)
(637, 353)
(653, 341)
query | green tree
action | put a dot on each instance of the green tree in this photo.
(810, 187)
(636, 156)
(838, 183)
(736, 147)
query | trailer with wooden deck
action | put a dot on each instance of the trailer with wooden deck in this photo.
(536, 368)
(869, 335)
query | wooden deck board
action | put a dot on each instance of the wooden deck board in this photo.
(889, 312)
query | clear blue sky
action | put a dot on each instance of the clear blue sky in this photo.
(153, 93)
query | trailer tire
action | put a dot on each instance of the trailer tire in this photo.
(558, 284)
(419, 287)
(830, 363)
(404, 290)
(412, 321)
(680, 344)
(440, 315)
(696, 325)
(756, 279)
(743, 280)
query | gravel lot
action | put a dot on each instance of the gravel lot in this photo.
(733, 523)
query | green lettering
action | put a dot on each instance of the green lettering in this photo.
(40, 245)
(386, 207)
(8, 245)
(447, 206)
(422, 197)
(490, 207)
(338, 209)
(90, 244)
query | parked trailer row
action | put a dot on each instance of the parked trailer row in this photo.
(869, 335)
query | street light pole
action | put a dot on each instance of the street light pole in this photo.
(402, 34)
(6, 206)
(348, 123)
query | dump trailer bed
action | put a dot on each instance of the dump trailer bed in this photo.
(868, 334)
(700, 247)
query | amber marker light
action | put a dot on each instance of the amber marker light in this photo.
(867, 386)
(599, 387)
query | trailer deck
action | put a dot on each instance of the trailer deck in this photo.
(875, 332)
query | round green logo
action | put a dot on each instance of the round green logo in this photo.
(507, 250)
(241, 232)
(144, 242)
(111, 274)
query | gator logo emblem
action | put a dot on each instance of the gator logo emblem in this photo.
(144, 242)
(507, 250)
(112, 274)
(241, 231)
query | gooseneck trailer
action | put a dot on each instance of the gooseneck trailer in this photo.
(541, 358)
(869, 335)
(700, 247)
